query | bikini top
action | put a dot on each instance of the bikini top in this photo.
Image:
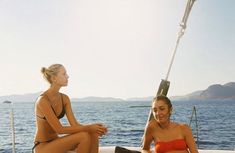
(174, 145)
(61, 115)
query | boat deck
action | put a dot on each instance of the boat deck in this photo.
(110, 149)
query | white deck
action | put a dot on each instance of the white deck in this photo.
(111, 149)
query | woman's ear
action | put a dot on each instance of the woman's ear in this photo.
(53, 79)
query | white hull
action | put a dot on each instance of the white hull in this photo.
(110, 149)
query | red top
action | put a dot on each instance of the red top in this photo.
(174, 145)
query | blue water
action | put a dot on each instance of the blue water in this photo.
(126, 121)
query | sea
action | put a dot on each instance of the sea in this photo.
(126, 120)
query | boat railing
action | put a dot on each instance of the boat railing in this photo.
(193, 119)
(12, 124)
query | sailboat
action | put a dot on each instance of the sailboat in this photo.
(163, 89)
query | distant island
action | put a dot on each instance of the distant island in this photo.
(97, 99)
(213, 92)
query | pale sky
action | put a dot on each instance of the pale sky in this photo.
(115, 48)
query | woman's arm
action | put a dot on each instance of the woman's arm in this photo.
(45, 107)
(97, 128)
(147, 140)
(69, 113)
(52, 119)
(189, 139)
(145, 151)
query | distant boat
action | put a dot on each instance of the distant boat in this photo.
(7, 102)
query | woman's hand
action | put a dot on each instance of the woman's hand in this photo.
(97, 128)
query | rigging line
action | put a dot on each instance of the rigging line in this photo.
(181, 33)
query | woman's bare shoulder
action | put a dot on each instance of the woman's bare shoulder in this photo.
(41, 100)
(152, 124)
(66, 98)
(180, 125)
(185, 128)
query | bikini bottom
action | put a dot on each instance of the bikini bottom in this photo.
(36, 143)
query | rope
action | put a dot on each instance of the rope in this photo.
(181, 32)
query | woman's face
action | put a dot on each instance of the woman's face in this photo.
(61, 78)
(161, 111)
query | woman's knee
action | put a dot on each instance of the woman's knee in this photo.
(84, 136)
(94, 136)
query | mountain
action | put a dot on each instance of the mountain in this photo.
(150, 98)
(96, 99)
(31, 97)
(213, 92)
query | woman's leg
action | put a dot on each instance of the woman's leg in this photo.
(94, 143)
(80, 141)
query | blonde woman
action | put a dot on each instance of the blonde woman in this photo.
(53, 137)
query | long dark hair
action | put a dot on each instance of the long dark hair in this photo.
(165, 99)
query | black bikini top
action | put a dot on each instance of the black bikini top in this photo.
(62, 112)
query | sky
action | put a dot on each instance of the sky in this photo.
(116, 48)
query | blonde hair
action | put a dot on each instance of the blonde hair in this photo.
(50, 71)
